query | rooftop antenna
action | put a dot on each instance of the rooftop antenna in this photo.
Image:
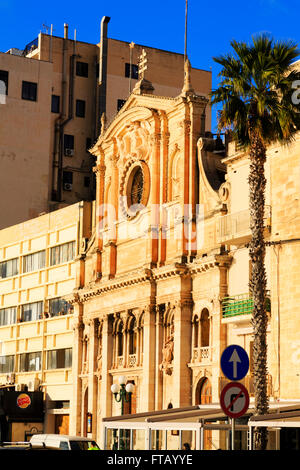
(46, 28)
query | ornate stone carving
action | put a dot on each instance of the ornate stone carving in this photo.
(168, 354)
(134, 144)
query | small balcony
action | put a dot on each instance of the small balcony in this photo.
(202, 354)
(235, 228)
(241, 305)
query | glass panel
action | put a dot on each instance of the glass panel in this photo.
(156, 440)
(111, 439)
(9, 268)
(31, 312)
(188, 439)
(8, 316)
(138, 439)
(173, 440)
(59, 306)
(7, 364)
(34, 261)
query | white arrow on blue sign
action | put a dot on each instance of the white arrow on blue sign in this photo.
(234, 362)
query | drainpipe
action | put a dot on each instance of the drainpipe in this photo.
(61, 125)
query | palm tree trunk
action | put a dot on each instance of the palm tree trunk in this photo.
(257, 285)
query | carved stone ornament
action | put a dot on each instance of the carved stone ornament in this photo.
(168, 354)
(134, 144)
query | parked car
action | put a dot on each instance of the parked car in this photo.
(63, 442)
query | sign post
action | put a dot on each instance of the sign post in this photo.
(234, 397)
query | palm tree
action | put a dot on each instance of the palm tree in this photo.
(256, 91)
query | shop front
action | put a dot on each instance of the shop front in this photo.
(21, 414)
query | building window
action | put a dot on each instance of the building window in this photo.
(55, 104)
(30, 362)
(82, 69)
(7, 364)
(87, 181)
(62, 253)
(59, 306)
(3, 82)
(9, 268)
(68, 145)
(205, 327)
(59, 359)
(134, 71)
(8, 316)
(80, 108)
(29, 91)
(132, 336)
(120, 104)
(120, 335)
(32, 311)
(34, 261)
(67, 180)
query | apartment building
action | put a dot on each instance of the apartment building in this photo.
(55, 97)
(37, 271)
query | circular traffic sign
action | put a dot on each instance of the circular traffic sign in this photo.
(234, 362)
(234, 400)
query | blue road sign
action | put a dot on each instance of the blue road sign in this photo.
(234, 362)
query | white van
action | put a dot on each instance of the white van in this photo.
(61, 441)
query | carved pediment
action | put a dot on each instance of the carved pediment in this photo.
(135, 143)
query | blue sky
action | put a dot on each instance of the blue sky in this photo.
(156, 23)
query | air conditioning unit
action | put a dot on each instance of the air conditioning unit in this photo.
(21, 388)
(67, 186)
(10, 379)
(33, 385)
(69, 152)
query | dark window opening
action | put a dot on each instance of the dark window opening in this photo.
(80, 108)
(55, 104)
(67, 180)
(68, 142)
(87, 181)
(3, 82)
(29, 91)
(134, 71)
(120, 104)
(82, 69)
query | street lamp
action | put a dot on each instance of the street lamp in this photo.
(122, 393)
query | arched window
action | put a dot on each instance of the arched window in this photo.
(196, 331)
(132, 336)
(204, 321)
(120, 338)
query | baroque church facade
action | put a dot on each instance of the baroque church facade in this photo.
(152, 274)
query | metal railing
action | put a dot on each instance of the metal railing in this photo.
(248, 382)
(241, 304)
(237, 224)
(31, 46)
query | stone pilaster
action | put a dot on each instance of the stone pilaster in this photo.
(148, 388)
(182, 390)
(75, 422)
